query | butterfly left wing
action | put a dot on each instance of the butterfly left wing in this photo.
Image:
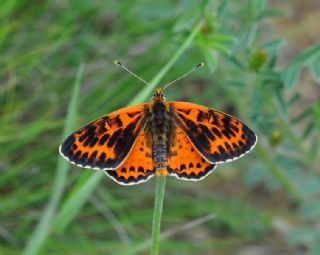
(217, 136)
(105, 142)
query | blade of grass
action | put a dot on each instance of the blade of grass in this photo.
(78, 196)
(43, 228)
(68, 211)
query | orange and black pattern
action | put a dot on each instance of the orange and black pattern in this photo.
(216, 135)
(105, 142)
(180, 139)
(138, 166)
(185, 161)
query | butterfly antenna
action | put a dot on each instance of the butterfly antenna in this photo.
(118, 63)
(186, 74)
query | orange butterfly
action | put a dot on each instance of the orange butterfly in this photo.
(180, 139)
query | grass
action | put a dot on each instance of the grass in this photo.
(46, 209)
(45, 225)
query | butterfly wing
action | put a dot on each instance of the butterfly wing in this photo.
(105, 142)
(138, 166)
(217, 136)
(186, 163)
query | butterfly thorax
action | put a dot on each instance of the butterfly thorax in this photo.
(160, 133)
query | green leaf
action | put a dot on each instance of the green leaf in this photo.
(219, 47)
(302, 236)
(273, 46)
(315, 70)
(309, 55)
(224, 38)
(306, 113)
(315, 248)
(290, 75)
(281, 104)
(258, 6)
(210, 59)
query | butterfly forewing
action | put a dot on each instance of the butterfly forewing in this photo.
(216, 135)
(106, 142)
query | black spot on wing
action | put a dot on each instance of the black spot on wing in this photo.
(200, 116)
(228, 148)
(133, 114)
(114, 137)
(182, 167)
(185, 111)
(223, 154)
(118, 121)
(131, 180)
(125, 140)
(214, 118)
(251, 137)
(68, 142)
(77, 155)
(92, 159)
(84, 157)
(88, 133)
(216, 132)
(192, 175)
(93, 141)
(102, 158)
(103, 139)
(207, 132)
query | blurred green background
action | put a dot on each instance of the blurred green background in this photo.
(57, 73)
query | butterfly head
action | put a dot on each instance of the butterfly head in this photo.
(158, 95)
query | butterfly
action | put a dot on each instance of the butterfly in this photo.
(179, 139)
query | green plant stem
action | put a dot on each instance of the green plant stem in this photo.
(159, 195)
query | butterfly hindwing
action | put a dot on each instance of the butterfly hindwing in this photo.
(137, 167)
(216, 135)
(105, 142)
(185, 161)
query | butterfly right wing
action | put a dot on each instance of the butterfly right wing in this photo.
(217, 136)
(185, 162)
(105, 142)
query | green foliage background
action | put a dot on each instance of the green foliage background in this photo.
(57, 73)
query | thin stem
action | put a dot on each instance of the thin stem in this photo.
(159, 195)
